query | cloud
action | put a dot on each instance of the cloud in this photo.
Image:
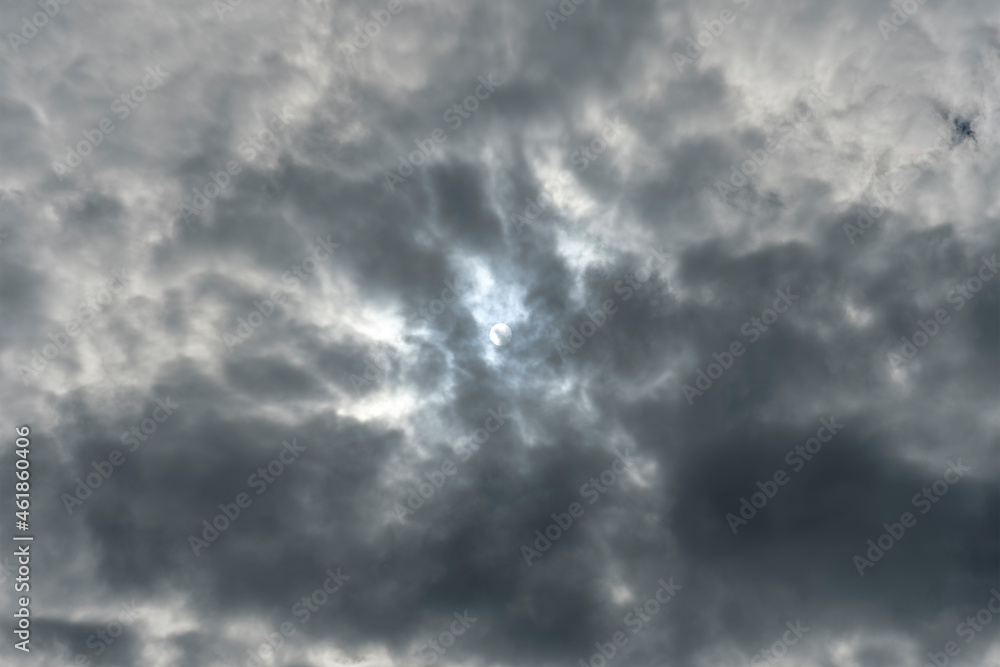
(901, 130)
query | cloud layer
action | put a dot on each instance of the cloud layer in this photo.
(250, 255)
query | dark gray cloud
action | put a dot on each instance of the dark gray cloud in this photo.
(315, 295)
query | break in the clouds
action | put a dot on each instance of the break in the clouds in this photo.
(251, 254)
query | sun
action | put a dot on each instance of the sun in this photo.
(500, 334)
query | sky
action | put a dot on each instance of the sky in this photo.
(251, 254)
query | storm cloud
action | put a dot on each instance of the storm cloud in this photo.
(250, 255)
